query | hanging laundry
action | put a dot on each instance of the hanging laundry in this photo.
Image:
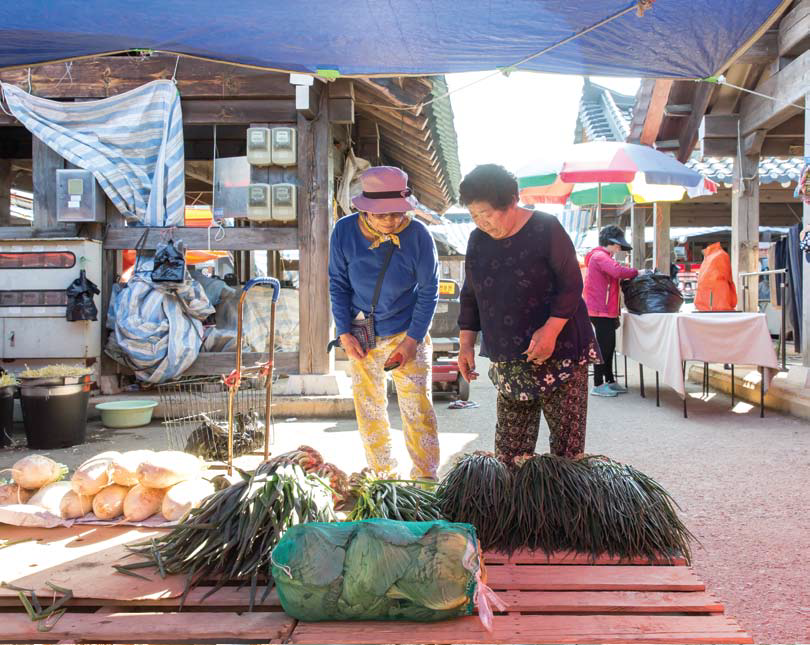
(132, 143)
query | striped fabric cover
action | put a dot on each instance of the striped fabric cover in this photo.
(575, 221)
(158, 328)
(132, 142)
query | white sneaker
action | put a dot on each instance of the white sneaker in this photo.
(603, 390)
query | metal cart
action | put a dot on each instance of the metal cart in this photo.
(220, 418)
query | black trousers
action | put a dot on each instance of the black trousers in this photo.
(605, 329)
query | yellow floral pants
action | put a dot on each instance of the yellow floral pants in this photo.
(414, 391)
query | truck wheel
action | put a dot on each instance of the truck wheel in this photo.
(463, 389)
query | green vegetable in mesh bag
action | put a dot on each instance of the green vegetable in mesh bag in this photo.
(381, 570)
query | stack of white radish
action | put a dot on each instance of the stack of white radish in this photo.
(132, 486)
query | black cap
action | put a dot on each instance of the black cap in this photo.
(612, 234)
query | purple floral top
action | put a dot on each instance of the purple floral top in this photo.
(512, 287)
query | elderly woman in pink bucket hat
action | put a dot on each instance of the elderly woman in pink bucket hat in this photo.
(384, 286)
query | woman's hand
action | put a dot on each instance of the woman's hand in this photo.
(352, 347)
(406, 350)
(544, 340)
(466, 363)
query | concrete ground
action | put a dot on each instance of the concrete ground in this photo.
(741, 481)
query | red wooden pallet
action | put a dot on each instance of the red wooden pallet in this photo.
(557, 599)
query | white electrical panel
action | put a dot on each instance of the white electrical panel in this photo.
(79, 198)
(258, 146)
(259, 206)
(283, 146)
(284, 203)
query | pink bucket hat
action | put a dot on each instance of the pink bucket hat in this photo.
(385, 190)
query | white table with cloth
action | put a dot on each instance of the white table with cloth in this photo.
(665, 342)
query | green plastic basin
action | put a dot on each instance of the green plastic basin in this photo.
(126, 414)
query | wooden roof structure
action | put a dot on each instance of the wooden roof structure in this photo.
(423, 144)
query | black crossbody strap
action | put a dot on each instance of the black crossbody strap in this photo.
(378, 287)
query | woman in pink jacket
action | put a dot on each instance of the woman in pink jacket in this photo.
(601, 293)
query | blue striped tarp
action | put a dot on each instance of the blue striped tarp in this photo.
(158, 326)
(575, 221)
(132, 142)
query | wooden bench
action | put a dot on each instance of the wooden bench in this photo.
(562, 599)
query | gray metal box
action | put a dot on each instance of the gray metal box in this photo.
(231, 181)
(79, 198)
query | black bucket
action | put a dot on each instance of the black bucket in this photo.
(6, 415)
(55, 416)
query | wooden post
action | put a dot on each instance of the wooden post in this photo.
(661, 241)
(637, 224)
(806, 265)
(5, 192)
(745, 229)
(314, 228)
(44, 165)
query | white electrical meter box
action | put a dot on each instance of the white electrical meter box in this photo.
(79, 198)
(258, 146)
(284, 203)
(284, 148)
(259, 207)
(35, 276)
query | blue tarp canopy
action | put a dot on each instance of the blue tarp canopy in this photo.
(675, 38)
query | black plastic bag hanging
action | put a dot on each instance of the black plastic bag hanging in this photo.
(652, 293)
(80, 305)
(169, 263)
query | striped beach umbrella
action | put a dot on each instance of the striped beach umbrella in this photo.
(609, 172)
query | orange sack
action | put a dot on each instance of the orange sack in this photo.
(715, 288)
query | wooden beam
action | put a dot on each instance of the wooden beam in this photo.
(341, 101)
(718, 126)
(771, 147)
(661, 240)
(215, 363)
(638, 224)
(689, 132)
(110, 75)
(234, 239)
(794, 30)
(751, 143)
(787, 89)
(314, 225)
(211, 112)
(201, 170)
(5, 192)
(45, 164)
(745, 228)
(805, 335)
(763, 51)
(655, 112)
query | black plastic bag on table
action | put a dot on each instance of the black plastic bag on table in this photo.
(80, 305)
(652, 293)
(169, 263)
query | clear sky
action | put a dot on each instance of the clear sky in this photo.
(514, 120)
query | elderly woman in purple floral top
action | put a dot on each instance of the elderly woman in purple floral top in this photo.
(523, 291)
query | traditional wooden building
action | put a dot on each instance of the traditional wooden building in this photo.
(379, 119)
(756, 119)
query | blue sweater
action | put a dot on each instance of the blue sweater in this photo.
(410, 289)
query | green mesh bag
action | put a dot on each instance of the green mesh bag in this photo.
(379, 570)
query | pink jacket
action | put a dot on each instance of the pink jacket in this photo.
(601, 290)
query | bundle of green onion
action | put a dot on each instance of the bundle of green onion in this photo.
(377, 497)
(638, 516)
(478, 491)
(553, 504)
(231, 535)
